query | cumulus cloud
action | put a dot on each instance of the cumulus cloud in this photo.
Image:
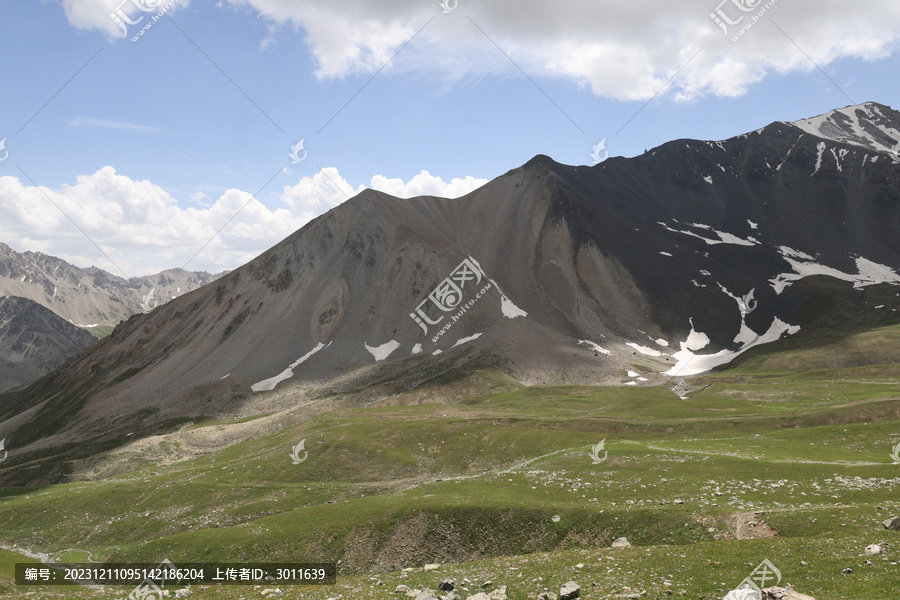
(117, 18)
(133, 228)
(425, 184)
(622, 50)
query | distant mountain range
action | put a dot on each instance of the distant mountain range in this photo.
(33, 343)
(636, 271)
(89, 297)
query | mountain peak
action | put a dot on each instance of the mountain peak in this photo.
(870, 125)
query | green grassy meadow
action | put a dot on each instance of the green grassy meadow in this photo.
(781, 457)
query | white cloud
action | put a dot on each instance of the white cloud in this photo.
(107, 124)
(621, 50)
(425, 184)
(95, 14)
(142, 229)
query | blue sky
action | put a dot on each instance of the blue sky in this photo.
(144, 150)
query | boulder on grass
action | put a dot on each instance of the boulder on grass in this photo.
(498, 594)
(874, 550)
(777, 593)
(569, 591)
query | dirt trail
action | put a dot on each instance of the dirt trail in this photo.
(495, 471)
(790, 461)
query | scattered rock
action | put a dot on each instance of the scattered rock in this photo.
(427, 594)
(401, 589)
(846, 571)
(544, 596)
(555, 518)
(893, 524)
(498, 594)
(621, 542)
(569, 590)
(447, 585)
(430, 567)
(777, 593)
(272, 591)
(874, 550)
(678, 501)
(479, 596)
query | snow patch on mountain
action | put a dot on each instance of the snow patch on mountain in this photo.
(383, 351)
(861, 125)
(723, 236)
(696, 340)
(868, 272)
(267, 385)
(690, 363)
(509, 310)
(462, 341)
(820, 148)
(594, 347)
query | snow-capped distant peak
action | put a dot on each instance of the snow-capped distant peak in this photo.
(868, 125)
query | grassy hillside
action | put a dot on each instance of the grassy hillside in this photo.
(767, 459)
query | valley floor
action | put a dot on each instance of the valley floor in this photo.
(511, 489)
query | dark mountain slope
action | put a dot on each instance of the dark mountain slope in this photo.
(34, 341)
(669, 264)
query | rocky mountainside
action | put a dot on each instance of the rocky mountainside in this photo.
(634, 271)
(34, 341)
(89, 297)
